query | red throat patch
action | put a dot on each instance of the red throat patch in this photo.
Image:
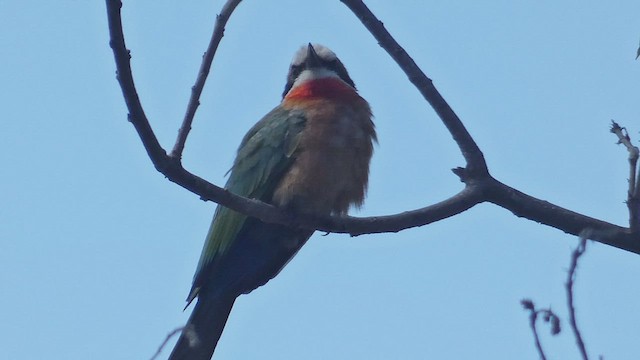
(330, 88)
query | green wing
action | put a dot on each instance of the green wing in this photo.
(265, 153)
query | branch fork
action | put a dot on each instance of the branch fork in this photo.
(633, 193)
(479, 187)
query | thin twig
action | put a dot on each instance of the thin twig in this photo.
(579, 250)
(173, 333)
(196, 90)
(633, 194)
(532, 322)
(548, 315)
(533, 316)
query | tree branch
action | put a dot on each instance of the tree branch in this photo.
(476, 172)
(476, 165)
(196, 90)
(171, 167)
(633, 194)
(532, 323)
(479, 185)
(526, 206)
(548, 316)
(579, 250)
(136, 114)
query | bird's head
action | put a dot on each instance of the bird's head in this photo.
(315, 62)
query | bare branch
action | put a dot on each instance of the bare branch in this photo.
(464, 200)
(532, 322)
(548, 315)
(196, 90)
(480, 186)
(171, 334)
(173, 170)
(122, 56)
(523, 205)
(624, 138)
(533, 316)
(633, 194)
(476, 172)
(476, 165)
(169, 166)
(579, 250)
(355, 226)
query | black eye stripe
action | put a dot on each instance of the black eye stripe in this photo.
(296, 70)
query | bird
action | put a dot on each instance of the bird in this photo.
(309, 155)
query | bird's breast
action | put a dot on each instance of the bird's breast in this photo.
(331, 166)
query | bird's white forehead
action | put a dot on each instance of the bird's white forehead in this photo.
(323, 52)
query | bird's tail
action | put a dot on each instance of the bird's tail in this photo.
(204, 328)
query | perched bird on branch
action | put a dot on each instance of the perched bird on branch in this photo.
(308, 155)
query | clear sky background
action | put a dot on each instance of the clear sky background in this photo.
(97, 249)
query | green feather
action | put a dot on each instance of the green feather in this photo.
(265, 153)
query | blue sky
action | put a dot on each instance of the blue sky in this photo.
(97, 249)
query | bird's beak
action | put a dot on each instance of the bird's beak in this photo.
(313, 60)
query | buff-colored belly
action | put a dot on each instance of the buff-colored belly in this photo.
(330, 170)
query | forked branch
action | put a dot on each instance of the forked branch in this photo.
(480, 186)
(633, 194)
